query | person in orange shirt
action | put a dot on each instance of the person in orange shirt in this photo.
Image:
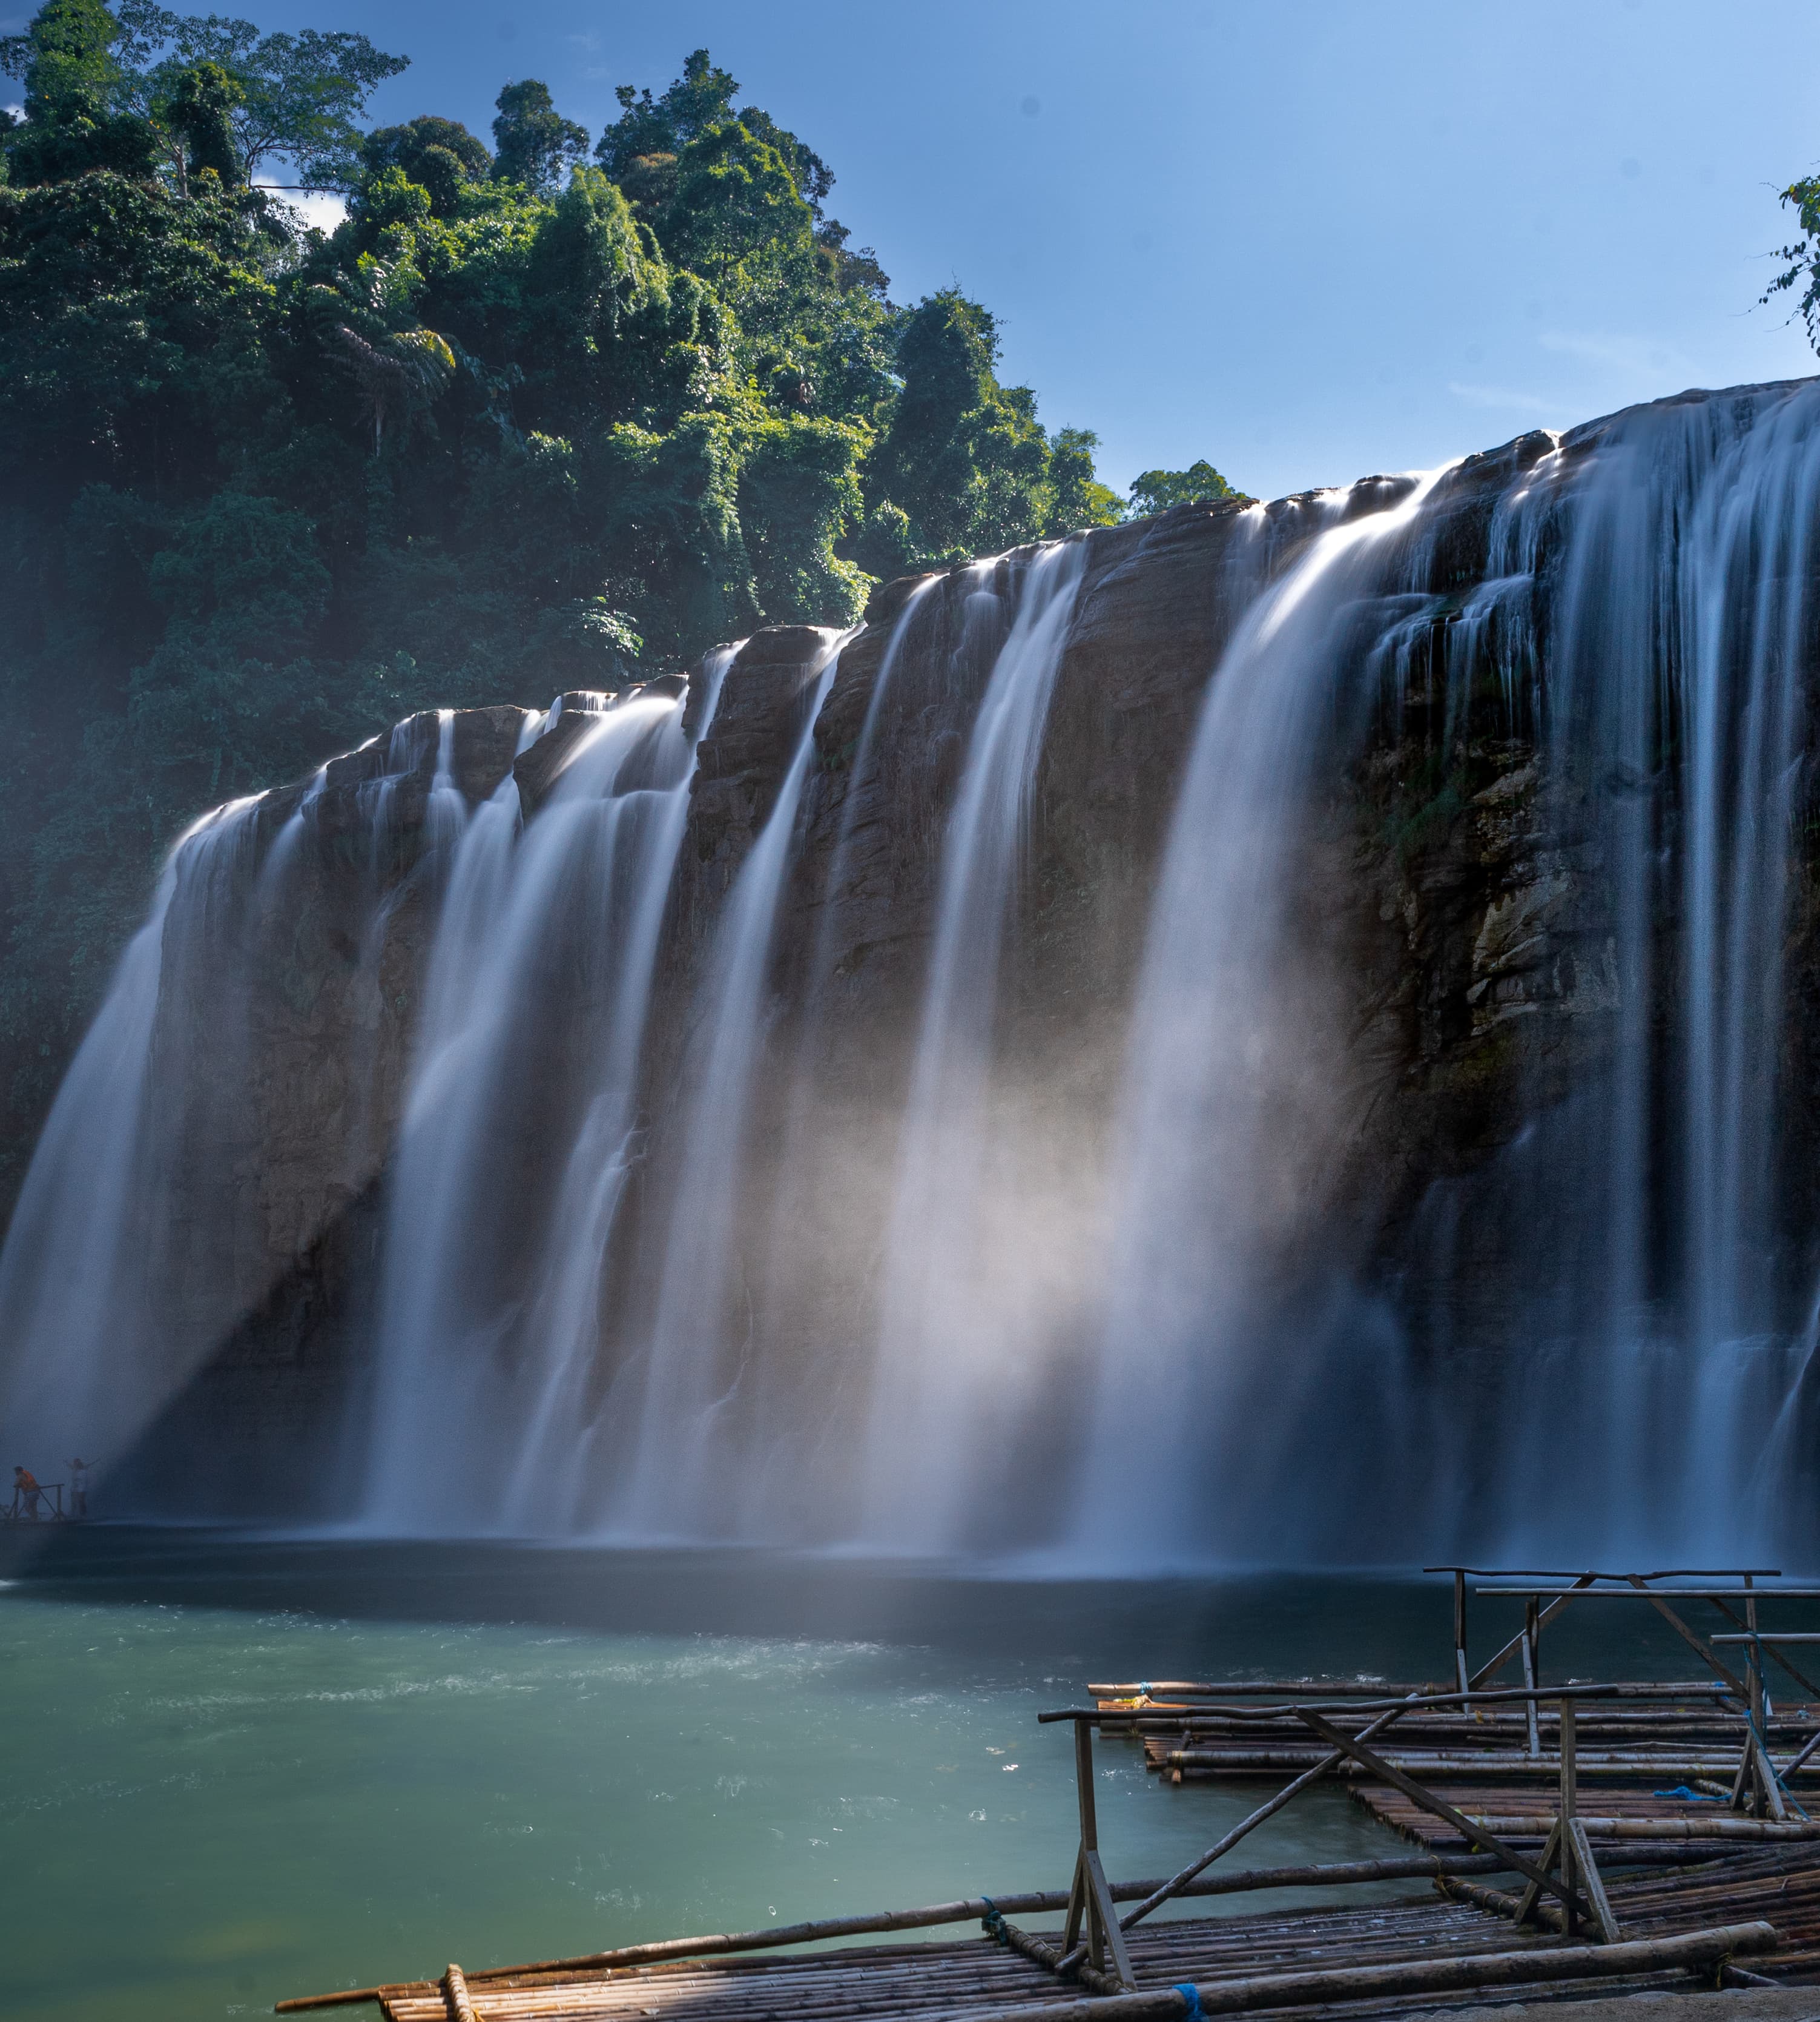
(25, 1493)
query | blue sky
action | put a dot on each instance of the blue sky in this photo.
(1307, 239)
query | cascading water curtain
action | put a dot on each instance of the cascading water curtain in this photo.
(516, 1140)
(1643, 1396)
(89, 1276)
(963, 1339)
(135, 1249)
(678, 1397)
(1206, 1439)
(1595, 1339)
(1595, 1333)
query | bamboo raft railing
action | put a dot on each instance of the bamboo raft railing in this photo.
(1638, 1894)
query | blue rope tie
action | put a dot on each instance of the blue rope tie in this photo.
(1692, 1796)
(1191, 1994)
(993, 1921)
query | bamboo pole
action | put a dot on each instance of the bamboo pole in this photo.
(1801, 1760)
(1486, 1672)
(1532, 1670)
(1518, 1864)
(899, 1989)
(1672, 1573)
(1801, 1677)
(1700, 1689)
(1689, 1731)
(1090, 1899)
(1586, 1876)
(1720, 1828)
(1531, 1898)
(1503, 1904)
(1531, 1966)
(1068, 1959)
(1460, 1671)
(1179, 1882)
(1398, 1867)
(1696, 1642)
(1636, 1592)
(1250, 1689)
(1631, 1583)
(1565, 1808)
(1499, 1901)
(893, 1982)
(455, 1993)
(1490, 1764)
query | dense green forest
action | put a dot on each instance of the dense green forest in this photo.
(544, 413)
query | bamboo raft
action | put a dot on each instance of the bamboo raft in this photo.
(1654, 1761)
(1702, 1928)
(1692, 1862)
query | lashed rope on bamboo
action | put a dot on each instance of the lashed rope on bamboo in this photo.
(455, 1994)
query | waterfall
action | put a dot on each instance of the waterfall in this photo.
(1675, 547)
(865, 754)
(824, 1172)
(135, 1249)
(539, 981)
(84, 1275)
(447, 815)
(1233, 1099)
(285, 843)
(1613, 1335)
(1281, 1032)
(959, 1354)
(674, 1480)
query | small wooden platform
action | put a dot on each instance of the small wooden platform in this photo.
(975, 1977)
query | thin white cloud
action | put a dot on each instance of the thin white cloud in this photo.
(321, 208)
(1634, 356)
(1497, 396)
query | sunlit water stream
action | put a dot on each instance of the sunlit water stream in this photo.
(236, 1770)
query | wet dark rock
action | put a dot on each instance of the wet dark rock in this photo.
(536, 767)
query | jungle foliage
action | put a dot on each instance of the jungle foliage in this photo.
(537, 415)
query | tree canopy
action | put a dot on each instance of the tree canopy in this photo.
(1157, 490)
(532, 142)
(540, 414)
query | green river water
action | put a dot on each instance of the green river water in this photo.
(238, 1769)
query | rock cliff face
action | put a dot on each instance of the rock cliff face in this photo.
(1457, 892)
